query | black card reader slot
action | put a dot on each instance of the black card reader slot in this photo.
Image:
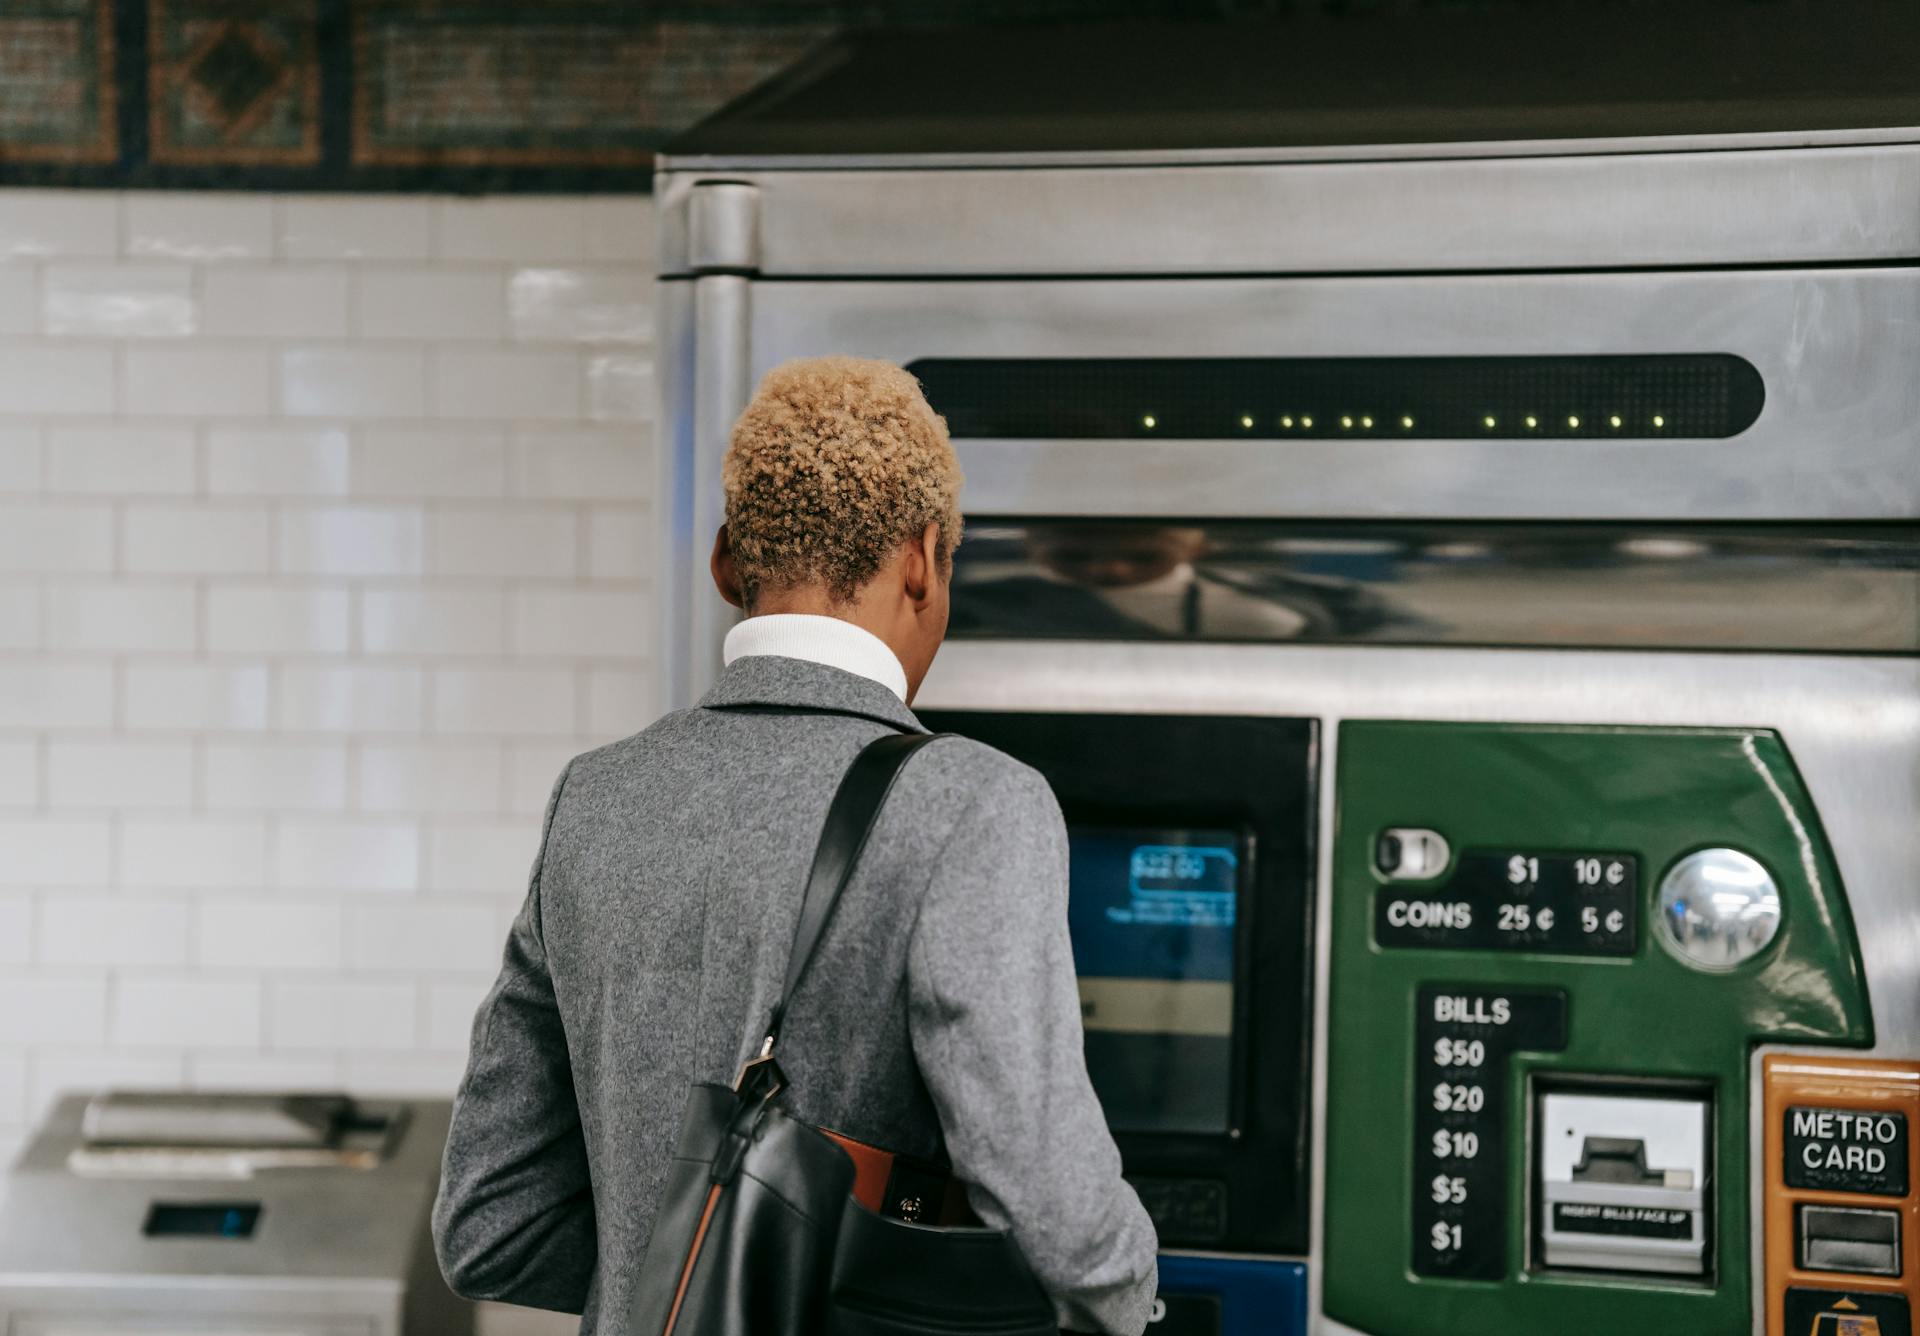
(202, 1219)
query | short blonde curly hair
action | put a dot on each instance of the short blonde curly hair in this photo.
(835, 464)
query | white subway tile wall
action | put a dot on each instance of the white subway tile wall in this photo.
(132, 300)
(18, 292)
(198, 227)
(325, 539)
(19, 457)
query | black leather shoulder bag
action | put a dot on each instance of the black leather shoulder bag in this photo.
(758, 1232)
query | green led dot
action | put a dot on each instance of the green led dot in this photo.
(1659, 421)
(1532, 422)
(1287, 422)
(1346, 423)
(1614, 422)
(1491, 421)
(1367, 423)
(1572, 421)
(1307, 423)
(1406, 423)
(1246, 420)
(1149, 422)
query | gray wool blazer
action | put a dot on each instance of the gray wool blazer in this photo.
(940, 1018)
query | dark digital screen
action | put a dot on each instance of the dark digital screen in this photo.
(1191, 863)
(1667, 396)
(1152, 912)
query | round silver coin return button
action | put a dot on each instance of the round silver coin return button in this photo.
(1718, 909)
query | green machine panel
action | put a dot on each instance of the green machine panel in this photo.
(1537, 1104)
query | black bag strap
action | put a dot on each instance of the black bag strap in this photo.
(850, 819)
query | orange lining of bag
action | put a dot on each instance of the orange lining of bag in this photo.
(693, 1255)
(872, 1167)
(873, 1173)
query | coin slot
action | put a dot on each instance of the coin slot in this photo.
(1406, 853)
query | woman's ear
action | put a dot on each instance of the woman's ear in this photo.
(923, 566)
(726, 578)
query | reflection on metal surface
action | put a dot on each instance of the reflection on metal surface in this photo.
(1719, 908)
(1696, 396)
(1806, 588)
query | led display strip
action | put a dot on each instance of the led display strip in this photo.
(1667, 396)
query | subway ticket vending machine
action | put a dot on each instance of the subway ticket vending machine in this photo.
(1444, 504)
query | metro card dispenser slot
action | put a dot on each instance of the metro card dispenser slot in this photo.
(1623, 1183)
(1864, 1241)
(1841, 1198)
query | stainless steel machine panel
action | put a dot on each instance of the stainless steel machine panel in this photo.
(1402, 209)
(170, 1239)
(1836, 438)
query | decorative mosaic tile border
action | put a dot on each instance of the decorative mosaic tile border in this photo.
(464, 95)
(230, 88)
(431, 95)
(57, 84)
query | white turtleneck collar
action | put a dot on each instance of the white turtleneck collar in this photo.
(825, 640)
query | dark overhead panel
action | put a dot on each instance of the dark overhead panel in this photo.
(1373, 74)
